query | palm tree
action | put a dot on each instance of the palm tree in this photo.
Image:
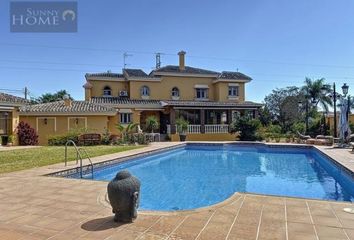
(152, 123)
(317, 92)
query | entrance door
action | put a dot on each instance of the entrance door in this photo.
(164, 121)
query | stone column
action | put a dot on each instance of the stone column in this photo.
(202, 121)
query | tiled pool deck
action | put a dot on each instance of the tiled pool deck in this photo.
(37, 207)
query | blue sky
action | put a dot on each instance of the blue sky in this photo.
(277, 43)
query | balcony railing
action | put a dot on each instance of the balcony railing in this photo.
(216, 128)
(210, 128)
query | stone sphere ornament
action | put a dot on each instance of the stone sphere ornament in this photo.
(124, 196)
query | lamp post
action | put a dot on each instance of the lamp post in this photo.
(345, 89)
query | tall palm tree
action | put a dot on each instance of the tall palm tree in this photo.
(317, 92)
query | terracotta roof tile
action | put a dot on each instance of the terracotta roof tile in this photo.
(60, 107)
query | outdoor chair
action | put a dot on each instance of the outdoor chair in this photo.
(324, 140)
(304, 138)
(90, 139)
(352, 142)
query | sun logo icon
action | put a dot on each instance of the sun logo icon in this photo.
(70, 13)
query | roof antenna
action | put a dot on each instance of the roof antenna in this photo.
(158, 60)
(125, 56)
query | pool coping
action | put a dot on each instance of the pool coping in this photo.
(124, 159)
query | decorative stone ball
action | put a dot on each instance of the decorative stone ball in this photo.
(124, 196)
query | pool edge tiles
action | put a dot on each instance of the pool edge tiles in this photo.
(75, 170)
(224, 153)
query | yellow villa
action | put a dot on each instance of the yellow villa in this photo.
(9, 113)
(208, 100)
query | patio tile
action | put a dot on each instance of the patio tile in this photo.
(297, 213)
(243, 231)
(301, 231)
(326, 233)
(272, 230)
(326, 221)
(34, 207)
(166, 225)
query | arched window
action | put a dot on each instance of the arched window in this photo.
(175, 92)
(107, 91)
(145, 91)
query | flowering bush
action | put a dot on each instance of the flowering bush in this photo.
(26, 134)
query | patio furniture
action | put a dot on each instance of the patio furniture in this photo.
(304, 138)
(351, 143)
(324, 140)
(153, 136)
(90, 139)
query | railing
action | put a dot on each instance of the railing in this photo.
(216, 128)
(78, 156)
(210, 128)
(193, 129)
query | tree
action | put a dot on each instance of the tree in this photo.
(152, 123)
(52, 97)
(246, 127)
(317, 92)
(282, 106)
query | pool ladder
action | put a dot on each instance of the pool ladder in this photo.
(78, 156)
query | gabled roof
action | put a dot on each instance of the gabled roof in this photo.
(176, 69)
(11, 99)
(76, 107)
(134, 72)
(234, 76)
(105, 74)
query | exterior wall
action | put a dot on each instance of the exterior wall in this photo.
(206, 137)
(98, 85)
(222, 92)
(162, 90)
(330, 120)
(61, 124)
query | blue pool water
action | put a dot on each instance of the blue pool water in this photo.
(197, 175)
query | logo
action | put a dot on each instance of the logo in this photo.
(43, 16)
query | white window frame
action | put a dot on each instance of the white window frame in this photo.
(125, 118)
(202, 90)
(175, 93)
(145, 92)
(107, 89)
(234, 91)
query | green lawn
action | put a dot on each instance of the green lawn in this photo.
(20, 159)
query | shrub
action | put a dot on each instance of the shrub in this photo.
(60, 140)
(152, 123)
(246, 127)
(26, 134)
(106, 140)
(182, 125)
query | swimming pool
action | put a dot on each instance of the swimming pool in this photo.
(196, 176)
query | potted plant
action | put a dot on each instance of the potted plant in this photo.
(152, 123)
(4, 140)
(11, 140)
(182, 127)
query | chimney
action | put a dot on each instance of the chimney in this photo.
(181, 55)
(67, 100)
